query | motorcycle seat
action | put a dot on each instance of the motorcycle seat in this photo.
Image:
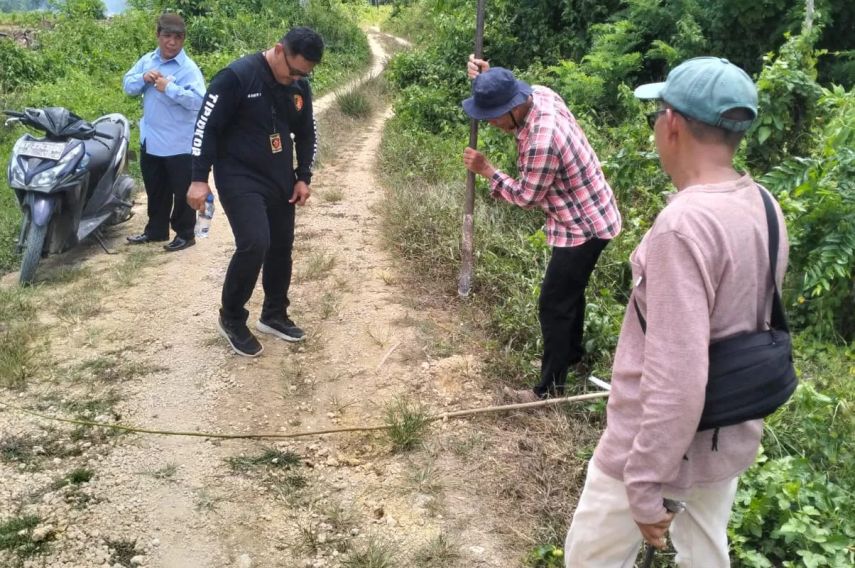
(100, 149)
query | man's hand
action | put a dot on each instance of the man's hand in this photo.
(197, 194)
(476, 66)
(151, 76)
(654, 534)
(477, 163)
(301, 193)
(161, 82)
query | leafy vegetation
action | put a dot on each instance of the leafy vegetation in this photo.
(74, 57)
(794, 507)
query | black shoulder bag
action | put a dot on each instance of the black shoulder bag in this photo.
(751, 374)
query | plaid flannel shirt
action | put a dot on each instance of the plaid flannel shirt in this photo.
(560, 173)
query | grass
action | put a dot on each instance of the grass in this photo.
(337, 127)
(293, 373)
(340, 517)
(374, 554)
(16, 535)
(19, 355)
(90, 407)
(287, 484)
(127, 271)
(426, 478)
(329, 304)
(354, 104)
(407, 423)
(270, 458)
(16, 448)
(112, 367)
(29, 449)
(439, 552)
(75, 477)
(166, 473)
(338, 406)
(308, 537)
(317, 266)
(16, 304)
(78, 304)
(541, 472)
(380, 339)
(203, 500)
(92, 435)
(332, 195)
(73, 480)
(439, 341)
(66, 275)
(19, 348)
(464, 445)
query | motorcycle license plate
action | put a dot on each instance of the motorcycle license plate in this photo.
(40, 149)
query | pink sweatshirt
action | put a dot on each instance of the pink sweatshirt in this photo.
(700, 273)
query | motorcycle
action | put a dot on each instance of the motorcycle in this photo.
(69, 183)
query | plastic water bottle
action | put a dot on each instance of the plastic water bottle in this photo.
(203, 220)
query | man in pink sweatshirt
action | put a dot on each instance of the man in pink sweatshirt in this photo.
(700, 274)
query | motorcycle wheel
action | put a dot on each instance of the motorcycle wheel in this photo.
(124, 191)
(33, 248)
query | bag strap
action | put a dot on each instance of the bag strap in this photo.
(779, 318)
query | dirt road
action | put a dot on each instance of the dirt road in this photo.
(147, 353)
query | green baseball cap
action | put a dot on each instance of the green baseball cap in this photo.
(705, 88)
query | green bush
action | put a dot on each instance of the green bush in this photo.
(19, 67)
(817, 192)
(787, 514)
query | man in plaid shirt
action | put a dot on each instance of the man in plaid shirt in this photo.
(559, 173)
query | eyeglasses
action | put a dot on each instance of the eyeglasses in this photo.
(652, 117)
(295, 72)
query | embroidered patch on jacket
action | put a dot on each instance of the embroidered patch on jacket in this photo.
(298, 102)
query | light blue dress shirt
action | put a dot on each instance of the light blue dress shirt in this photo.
(168, 117)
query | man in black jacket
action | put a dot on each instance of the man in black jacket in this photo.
(244, 130)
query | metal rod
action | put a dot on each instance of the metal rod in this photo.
(467, 243)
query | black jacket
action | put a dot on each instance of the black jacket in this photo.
(243, 108)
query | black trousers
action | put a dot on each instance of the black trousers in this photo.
(262, 221)
(167, 179)
(562, 311)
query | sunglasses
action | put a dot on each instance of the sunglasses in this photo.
(652, 117)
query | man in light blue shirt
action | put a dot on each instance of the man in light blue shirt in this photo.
(172, 88)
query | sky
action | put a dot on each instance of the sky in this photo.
(115, 6)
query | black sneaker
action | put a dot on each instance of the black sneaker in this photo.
(282, 327)
(240, 338)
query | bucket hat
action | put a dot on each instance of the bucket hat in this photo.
(495, 92)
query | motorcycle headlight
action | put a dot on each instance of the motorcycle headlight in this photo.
(65, 164)
(15, 175)
(16, 171)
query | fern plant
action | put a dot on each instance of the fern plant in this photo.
(818, 196)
